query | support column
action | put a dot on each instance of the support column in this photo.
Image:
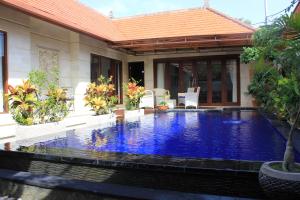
(149, 75)
(78, 83)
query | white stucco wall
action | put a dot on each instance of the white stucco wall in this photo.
(88, 46)
(17, 26)
(53, 38)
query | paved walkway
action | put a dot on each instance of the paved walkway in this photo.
(103, 189)
(9, 198)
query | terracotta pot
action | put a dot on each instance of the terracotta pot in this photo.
(163, 108)
(255, 103)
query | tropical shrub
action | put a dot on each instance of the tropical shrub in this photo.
(28, 104)
(276, 58)
(133, 94)
(24, 102)
(276, 81)
(44, 81)
(56, 105)
(100, 96)
(250, 55)
(263, 83)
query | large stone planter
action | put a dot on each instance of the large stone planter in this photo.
(40, 130)
(279, 184)
(133, 113)
(99, 119)
(26, 132)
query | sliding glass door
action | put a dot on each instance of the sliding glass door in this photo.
(218, 78)
(107, 67)
(3, 71)
(216, 81)
(202, 81)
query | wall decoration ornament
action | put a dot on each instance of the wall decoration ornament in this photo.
(48, 60)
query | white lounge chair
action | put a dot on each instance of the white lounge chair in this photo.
(192, 97)
(147, 101)
(161, 95)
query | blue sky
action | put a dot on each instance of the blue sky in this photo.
(247, 9)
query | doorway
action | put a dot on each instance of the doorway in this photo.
(136, 72)
(218, 78)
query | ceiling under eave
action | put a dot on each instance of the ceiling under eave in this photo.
(194, 42)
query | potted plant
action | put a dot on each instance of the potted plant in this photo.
(281, 180)
(163, 106)
(101, 98)
(276, 85)
(133, 94)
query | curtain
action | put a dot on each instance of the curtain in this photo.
(161, 75)
(231, 69)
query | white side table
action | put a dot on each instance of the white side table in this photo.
(181, 98)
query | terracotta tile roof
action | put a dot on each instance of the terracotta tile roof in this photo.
(297, 9)
(78, 17)
(190, 22)
(70, 14)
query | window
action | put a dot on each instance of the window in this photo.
(3, 71)
(136, 72)
(107, 67)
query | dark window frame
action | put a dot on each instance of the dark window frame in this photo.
(113, 62)
(5, 73)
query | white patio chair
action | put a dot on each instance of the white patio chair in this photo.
(192, 97)
(147, 101)
(161, 95)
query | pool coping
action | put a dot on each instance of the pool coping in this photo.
(146, 162)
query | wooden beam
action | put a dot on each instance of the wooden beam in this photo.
(185, 42)
(188, 46)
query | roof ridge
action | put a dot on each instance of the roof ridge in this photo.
(232, 19)
(296, 7)
(98, 12)
(158, 13)
(91, 8)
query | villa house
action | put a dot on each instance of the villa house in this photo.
(172, 50)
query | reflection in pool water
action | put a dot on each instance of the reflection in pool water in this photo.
(98, 139)
(236, 135)
(233, 122)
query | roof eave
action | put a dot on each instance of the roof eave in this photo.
(55, 22)
(247, 35)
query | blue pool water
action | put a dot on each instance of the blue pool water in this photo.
(244, 135)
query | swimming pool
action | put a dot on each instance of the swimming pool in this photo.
(234, 135)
